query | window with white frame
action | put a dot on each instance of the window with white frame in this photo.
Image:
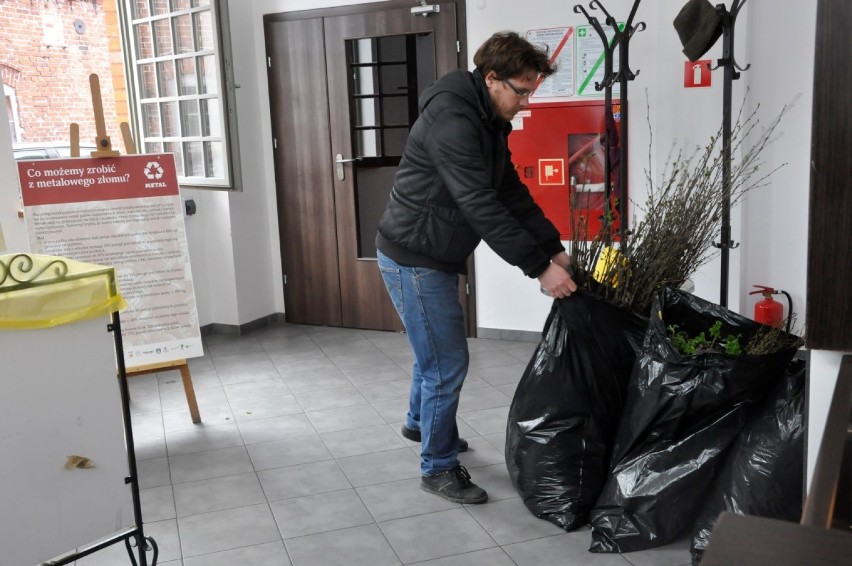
(12, 113)
(183, 91)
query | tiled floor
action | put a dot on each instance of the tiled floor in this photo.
(298, 461)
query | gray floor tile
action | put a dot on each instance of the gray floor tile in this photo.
(509, 374)
(399, 499)
(354, 442)
(488, 557)
(173, 396)
(288, 452)
(567, 549)
(674, 554)
(217, 494)
(304, 479)
(416, 538)
(261, 389)
(486, 421)
(331, 399)
(494, 479)
(381, 467)
(203, 438)
(210, 464)
(357, 416)
(158, 503)
(269, 554)
(153, 473)
(508, 521)
(481, 453)
(358, 546)
(320, 513)
(242, 368)
(213, 414)
(225, 530)
(482, 398)
(265, 407)
(276, 428)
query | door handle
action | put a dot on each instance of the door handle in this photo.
(338, 159)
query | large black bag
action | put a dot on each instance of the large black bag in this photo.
(682, 413)
(764, 473)
(566, 408)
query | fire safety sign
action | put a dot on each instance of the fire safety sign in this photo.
(696, 73)
(551, 172)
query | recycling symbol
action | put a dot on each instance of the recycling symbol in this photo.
(153, 170)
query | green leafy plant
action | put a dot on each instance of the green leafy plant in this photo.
(702, 344)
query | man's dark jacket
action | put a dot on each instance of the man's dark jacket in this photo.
(456, 185)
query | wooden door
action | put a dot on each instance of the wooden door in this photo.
(344, 90)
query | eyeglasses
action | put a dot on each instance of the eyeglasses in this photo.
(522, 93)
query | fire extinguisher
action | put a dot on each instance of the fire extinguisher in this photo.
(769, 311)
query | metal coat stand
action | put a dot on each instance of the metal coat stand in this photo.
(621, 41)
(731, 73)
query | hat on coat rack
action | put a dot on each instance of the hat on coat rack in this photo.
(698, 25)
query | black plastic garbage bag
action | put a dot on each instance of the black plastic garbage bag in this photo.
(764, 472)
(682, 413)
(566, 408)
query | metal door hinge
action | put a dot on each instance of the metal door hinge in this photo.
(425, 9)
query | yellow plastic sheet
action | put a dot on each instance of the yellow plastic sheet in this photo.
(40, 291)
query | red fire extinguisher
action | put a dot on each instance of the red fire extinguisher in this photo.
(769, 311)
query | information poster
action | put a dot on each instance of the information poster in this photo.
(560, 46)
(590, 60)
(125, 212)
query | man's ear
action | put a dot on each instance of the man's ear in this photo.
(491, 78)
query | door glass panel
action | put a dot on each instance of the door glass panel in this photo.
(387, 75)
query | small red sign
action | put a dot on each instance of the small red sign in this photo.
(551, 171)
(696, 74)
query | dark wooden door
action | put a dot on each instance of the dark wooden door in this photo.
(343, 91)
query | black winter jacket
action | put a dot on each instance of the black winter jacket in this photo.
(456, 186)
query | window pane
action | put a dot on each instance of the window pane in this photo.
(194, 166)
(140, 9)
(180, 5)
(147, 81)
(163, 37)
(169, 111)
(173, 147)
(153, 147)
(187, 81)
(190, 125)
(395, 111)
(160, 7)
(208, 73)
(203, 31)
(144, 41)
(151, 119)
(197, 3)
(211, 117)
(183, 34)
(166, 72)
(214, 159)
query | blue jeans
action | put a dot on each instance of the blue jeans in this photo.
(428, 305)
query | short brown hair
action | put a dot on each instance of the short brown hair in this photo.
(509, 55)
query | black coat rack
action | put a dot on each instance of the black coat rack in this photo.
(731, 73)
(621, 41)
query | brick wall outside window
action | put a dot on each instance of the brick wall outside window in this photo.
(51, 70)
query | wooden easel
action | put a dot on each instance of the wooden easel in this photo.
(104, 149)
